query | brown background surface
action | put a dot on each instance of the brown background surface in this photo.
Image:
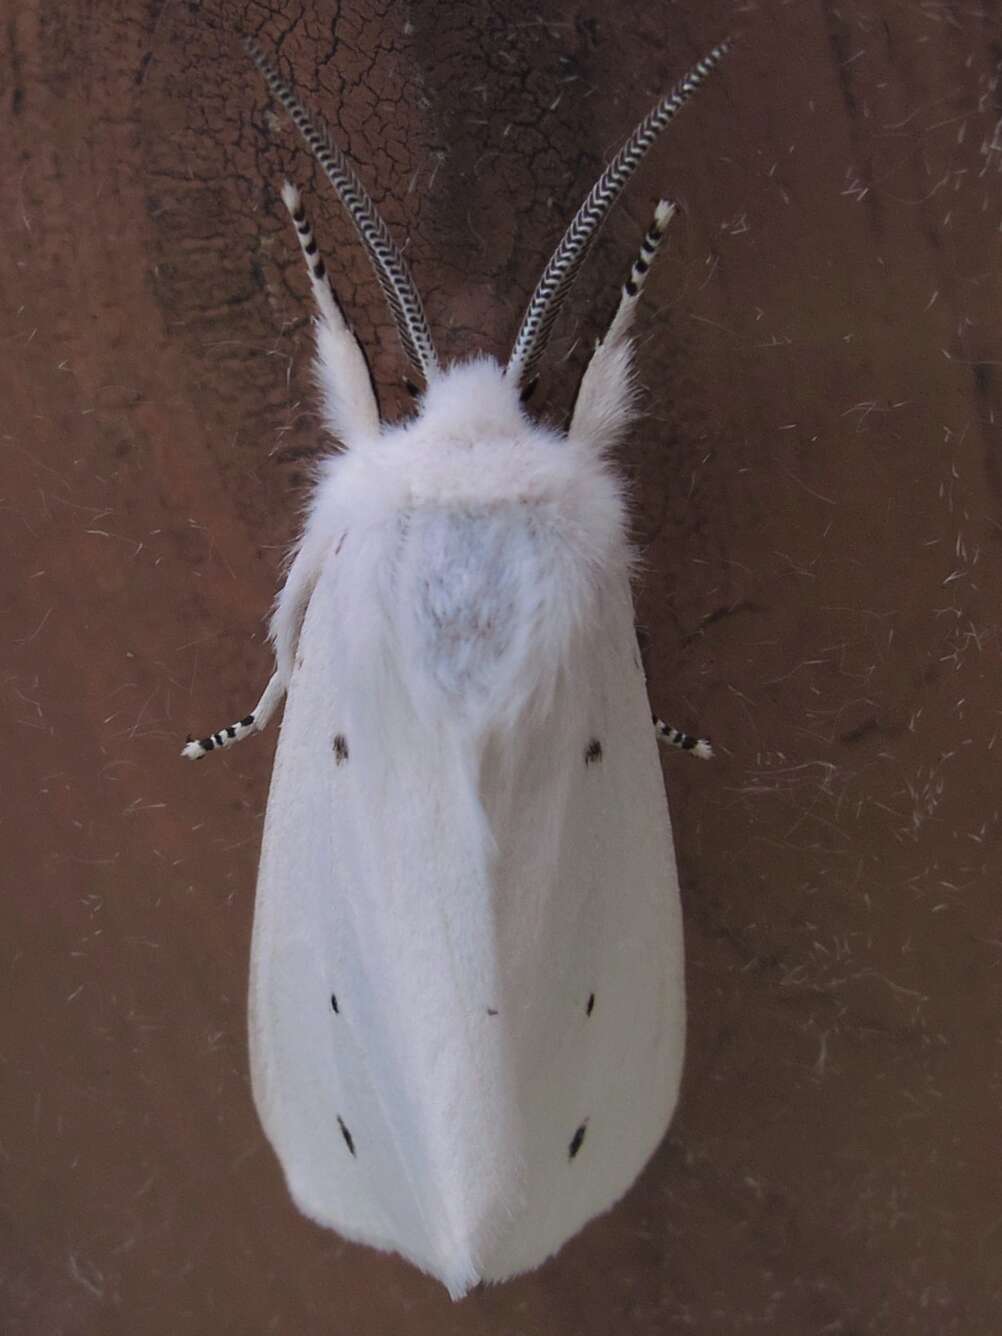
(818, 502)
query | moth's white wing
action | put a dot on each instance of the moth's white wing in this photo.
(608, 936)
(463, 899)
(374, 887)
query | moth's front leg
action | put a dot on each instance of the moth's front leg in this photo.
(194, 749)
(674, 737)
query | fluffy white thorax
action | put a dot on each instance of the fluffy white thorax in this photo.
(474, 540)
(470, 443)
(472, 447)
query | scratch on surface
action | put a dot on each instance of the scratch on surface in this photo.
(26, 640)
(821, 1062)
(86, 1276)
(895, 987)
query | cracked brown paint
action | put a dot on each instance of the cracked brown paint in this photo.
(818, 501)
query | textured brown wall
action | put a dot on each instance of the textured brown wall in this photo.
(818, 500)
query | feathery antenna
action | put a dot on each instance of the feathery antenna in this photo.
(566, 260)
(391, 271)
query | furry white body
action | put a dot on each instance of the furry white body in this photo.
(462, 870)
(467, 1004)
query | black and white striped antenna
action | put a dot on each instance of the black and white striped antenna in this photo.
(566, 260)
(391, 271)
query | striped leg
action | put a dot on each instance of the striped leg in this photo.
(350, 407)
(674, 737)
(253, 723)
(604, 406)
(323, 293)
(634, 285)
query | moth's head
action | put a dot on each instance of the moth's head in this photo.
(474, 399)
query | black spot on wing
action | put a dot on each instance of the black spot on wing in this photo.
(593, 752)
(340, 748)
(334, 1006)
(588, 1009)
(576, 1140)
(348, 1139)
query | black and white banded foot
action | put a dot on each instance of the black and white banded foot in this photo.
(674, 737)
(195, 748)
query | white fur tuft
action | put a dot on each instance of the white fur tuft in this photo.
(607, 396)
(291, 197)
(664, 213)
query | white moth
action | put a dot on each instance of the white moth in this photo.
(467, 1001)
